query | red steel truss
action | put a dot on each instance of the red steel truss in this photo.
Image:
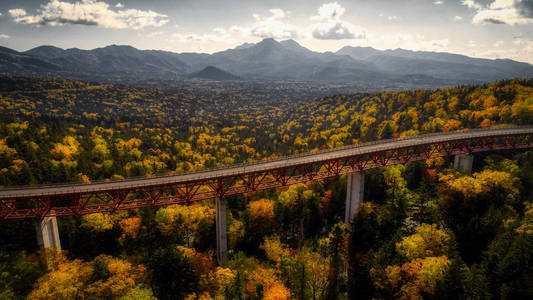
(160, 191)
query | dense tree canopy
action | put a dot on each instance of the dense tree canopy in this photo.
(424, 230)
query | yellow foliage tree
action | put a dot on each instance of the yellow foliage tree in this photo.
(65, 281)
(211, 280)
(77, 279)
(480, 183)
(274, 249)
(427, 241)
(130, 226)
(413, 279)
(272, 286)
(187, 218)
(98, 222)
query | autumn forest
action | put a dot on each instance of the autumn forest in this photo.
(425, 230)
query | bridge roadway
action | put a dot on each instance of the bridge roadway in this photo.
(293, 161)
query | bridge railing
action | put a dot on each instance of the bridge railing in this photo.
(259, 162)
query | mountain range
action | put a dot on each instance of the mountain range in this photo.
(265, 60)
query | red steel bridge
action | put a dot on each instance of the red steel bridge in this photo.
(79, 199)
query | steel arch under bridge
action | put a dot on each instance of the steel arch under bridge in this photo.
(78, 199)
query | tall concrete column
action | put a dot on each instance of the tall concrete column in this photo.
(355, 189)
(48, 233)
(463, 162)
(222, 233)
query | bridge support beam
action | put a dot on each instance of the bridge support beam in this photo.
(222, 233)
(355, 188)
(463, 162)
(47, 233)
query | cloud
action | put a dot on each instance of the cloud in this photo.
(89, 12)
(337, 30)
(510, 12)
(119, 5)
(438, 2)
(327, 25)
(17, 12)
(329, 11)
(471, 4)
(331, 27)
(273, 26)
(458, 18)
(4, 36)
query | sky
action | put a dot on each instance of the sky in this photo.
(478, 28)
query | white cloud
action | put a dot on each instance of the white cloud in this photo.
(119, 5)
(328, 25)
(331, 27)
(511, 12)
(17, 12)
(273, 26)
(337, 30)
(458, 18)
(329, 11)
(438, 2)
(89, 12)
(471, 4)
(392, 18)
(4, 36)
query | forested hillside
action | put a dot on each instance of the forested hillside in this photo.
(425, 230)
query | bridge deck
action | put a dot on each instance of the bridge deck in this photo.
(261, 166)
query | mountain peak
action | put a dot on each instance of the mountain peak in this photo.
(268, 42)
(290, 42)
(358, 52)
(48, 47)
(115, 46)
(46, 51)
(214, 73)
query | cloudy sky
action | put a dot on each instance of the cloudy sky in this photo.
(480, 28)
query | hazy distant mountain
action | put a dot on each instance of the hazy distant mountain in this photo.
(439, 65)
(287, 60)
(112, 62)
(265, 60)
(213, 73)
(14, 62)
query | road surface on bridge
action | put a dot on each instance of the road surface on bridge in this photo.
(261, 166)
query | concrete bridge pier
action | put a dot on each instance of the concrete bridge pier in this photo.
(355, 189)
(222, 232)
(463, 162)
(48, 233)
